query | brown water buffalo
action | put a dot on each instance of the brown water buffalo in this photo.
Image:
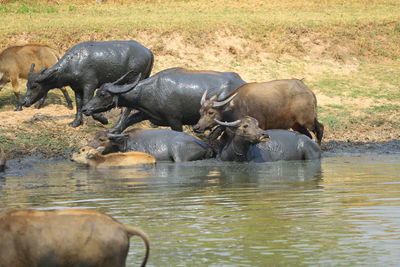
(15, 62)
(279, 104)
(92, 157)
(2, 160)
(68, 237)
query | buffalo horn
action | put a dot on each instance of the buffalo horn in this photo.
(121, 89)
(123, 77)
(223, 102)
(203, 98)
(228, 124)
(44, 75)
(32, 68)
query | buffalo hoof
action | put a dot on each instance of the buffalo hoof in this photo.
(70, 106)
(19, 108)
(38, 106)
(75, 123)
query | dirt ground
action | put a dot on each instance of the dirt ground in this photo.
(46, 130)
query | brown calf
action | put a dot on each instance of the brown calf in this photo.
(16, 61)
(93, 158)
(64, 238)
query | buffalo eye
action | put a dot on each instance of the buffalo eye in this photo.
(245, 126)
(210, 112)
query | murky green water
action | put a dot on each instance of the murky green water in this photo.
(344, 211)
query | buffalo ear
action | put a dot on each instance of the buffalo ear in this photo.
(118, 138)
(46, 75)
(100, 149)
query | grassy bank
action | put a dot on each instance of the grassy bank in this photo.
(348, 53)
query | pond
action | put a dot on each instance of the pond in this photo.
(344, 210)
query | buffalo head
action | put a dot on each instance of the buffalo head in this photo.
(106, 96)
(38, 84)
(211, 110)
(247, 129)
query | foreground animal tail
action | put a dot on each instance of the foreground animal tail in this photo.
(136, 231)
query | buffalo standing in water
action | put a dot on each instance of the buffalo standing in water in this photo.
(247, 142)
(169, 98)
(65, 238)
(85, 67)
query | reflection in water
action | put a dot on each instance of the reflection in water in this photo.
(345, 212)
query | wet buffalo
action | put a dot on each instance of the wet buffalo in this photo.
(168, 98)
(164, 145)
(64, 238)
(15, 62)
(85, 67)
(248, 142)
(279, 104)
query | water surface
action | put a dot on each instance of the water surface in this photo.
(340, 211)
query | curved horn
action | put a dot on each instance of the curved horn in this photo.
(223, 102)
(203, 98)
(229, 124)
(123, 77)
(121, 89)
(32, 68)
(43, 75)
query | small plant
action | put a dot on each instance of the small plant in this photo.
(50, 9)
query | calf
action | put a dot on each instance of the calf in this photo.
(164, 145)
(69, 237)
(15, 62)
(93, 158)
(247, 142)
(279, 104)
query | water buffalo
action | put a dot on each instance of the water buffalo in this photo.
(164, 145)
(2, 160)
(93, 158)
(15, 62)
(168, 98)
(247, 142)
(88, 65)
(65, 237)
(279, 104)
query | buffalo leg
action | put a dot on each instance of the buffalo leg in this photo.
(122, 122)
(132, 119)
(318, 130)
(40, 103)
(301, 129)
(78, 116)
(17, 93)
(67, 98)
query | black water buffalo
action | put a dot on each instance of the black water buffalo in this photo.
(279, 104)
(168, 98)
(247, 142)
(85, 67)
(164, 145)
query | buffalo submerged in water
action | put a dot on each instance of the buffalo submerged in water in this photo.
(247, 142)
(169, 98)
(164, 145)
(85, 67)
